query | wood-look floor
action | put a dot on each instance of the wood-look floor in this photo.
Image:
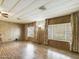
(28, 50)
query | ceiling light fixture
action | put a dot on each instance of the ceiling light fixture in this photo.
(4, 14)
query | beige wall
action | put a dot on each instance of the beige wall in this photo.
(9, 31)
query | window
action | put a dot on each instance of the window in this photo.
(60, 32)
(30, 32)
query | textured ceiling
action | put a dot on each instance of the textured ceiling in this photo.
(23, 11)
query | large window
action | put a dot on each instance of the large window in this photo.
(30, 31)
(60, 32)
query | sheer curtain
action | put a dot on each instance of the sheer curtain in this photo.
(75, 27)
(46, 32)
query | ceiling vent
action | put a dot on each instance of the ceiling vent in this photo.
(18, 19)
(42, 8)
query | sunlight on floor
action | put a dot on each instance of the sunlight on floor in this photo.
(56, 55)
